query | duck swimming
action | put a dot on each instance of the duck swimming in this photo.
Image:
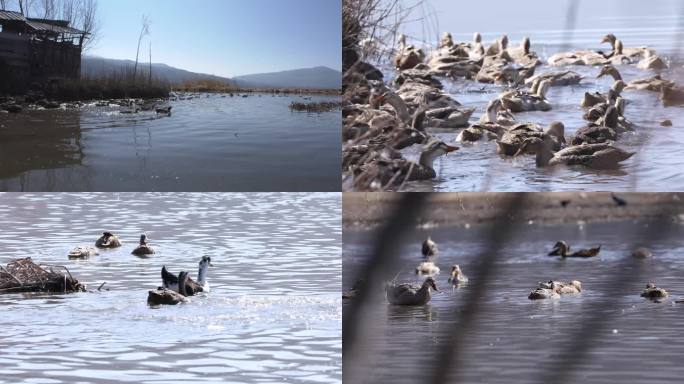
(655, 83)
(82, 253)
(523, 101)
(563, 249)
(407, 56)
(172, 281)
(108, 240)
(642, 253)
(410, 294)
(562, 288)
(542, 294)
(354, 291)
(631, 53)
(654, 293)
(557, 78)
(510, 142)
(599, 133)
(166, 296)
(596, 156)
(142, 248)
(457, 276)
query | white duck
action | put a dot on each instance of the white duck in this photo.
(171, 281)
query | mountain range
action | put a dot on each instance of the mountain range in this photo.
(316, 78)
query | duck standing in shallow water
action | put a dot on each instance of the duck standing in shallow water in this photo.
(428, 267)
(108, 240)
(654, 293)
(191, 287)
(410, 294)
(563, 249)
(143, 248)
(457, 276)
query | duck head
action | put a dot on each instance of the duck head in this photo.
(430, 283)
(650, 286)
(143, 239)
(610, 70)
(455, 271)
(401, 39)
(434, 150)
(526, 45)
(609, 38)
(446, 40)
(503, 43)
(477, 38)
(204, 265)
(429, 248)
(557, 130)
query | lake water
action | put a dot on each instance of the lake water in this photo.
(514, 339)
(211, 143)
(273, 314)
(658, 164)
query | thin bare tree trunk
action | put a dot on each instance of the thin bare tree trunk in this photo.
(150, 79)
(145, 30)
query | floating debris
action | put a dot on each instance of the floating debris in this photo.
(23, 275)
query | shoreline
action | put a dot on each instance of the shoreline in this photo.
(363, 210)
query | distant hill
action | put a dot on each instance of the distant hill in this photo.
(98, 67)
(318, 77)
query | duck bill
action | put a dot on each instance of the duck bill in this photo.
(449, 149)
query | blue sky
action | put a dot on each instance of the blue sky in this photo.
(225, 37)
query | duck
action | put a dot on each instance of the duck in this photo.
(631, 53)
(142, 248)
(563, 288)
(543, 294)
(457, 275)
(654, 293)
(523, 101)
(410, 294)
(596, 156)
(424, 169)
(557, 78)
(495, 113)
(108, 240)
(655, 83)
(408, 56)
(652, 62)
(163, 110)
(428, 268)
(522, 54)
(599, 133)
(167, 296)
(429, 248)
(510, 142)
(172, 281)
(591, 99)
(354, 291)
(642, 253)
(82, 252)
(561, 248)
(671, 96)
(577, 58)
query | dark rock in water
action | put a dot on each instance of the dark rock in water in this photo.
(48, 104)
(666, 123)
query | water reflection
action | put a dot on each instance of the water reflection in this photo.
(209, 143)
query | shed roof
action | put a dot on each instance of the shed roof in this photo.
(45, 27)
(11, 15)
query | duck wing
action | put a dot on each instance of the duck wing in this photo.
(168, 279)
(591, 252)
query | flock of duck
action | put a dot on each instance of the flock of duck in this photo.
(175, 288)
(412, 294)
(380, 120)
